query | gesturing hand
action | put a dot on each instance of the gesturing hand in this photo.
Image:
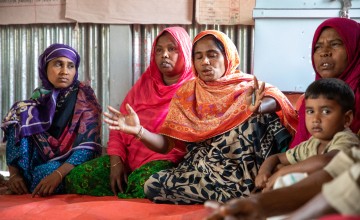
(256, 91)
(129, 124)
(17, 184)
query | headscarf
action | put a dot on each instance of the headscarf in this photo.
(349, 31)
(150, 98)
(201, 110)
(36, 115)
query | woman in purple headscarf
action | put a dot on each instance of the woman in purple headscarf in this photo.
(55, 130)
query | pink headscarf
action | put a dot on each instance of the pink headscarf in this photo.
(150, 98)
(349, 31)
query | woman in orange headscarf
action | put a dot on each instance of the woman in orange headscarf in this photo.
(227, 136)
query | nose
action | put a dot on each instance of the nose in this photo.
(205, 61)
(326, 54)
(316, 118)
(165, 54)
(64, 70)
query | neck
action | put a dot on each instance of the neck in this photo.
(169, 80)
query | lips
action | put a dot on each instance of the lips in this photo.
(165, 64)
(326, 65)
(316, 129)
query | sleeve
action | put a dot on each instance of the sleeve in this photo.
(343, 192)
(300, 152)
(344, 140)
(81, 156)
(342, 161)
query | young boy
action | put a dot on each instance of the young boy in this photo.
(329, 106)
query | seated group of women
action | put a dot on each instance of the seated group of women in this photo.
(193, 128)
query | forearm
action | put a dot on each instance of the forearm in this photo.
(155, 142)
(269, 164)
(287, 199)
(268, 105)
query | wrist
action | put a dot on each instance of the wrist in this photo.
(140, 133)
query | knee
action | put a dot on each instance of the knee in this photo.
(152, 187)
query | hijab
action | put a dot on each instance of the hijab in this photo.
(349, 31)
(201, 110)
(150, 98)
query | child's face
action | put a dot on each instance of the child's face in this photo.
(324, 118)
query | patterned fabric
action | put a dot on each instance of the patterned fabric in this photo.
(201, 110)
(222, 167)
(54, 126)
(92, 177)
(150, 98)
(349, 31)
(25, 156)
(35, 115)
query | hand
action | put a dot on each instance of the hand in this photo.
(244, 208)
(271, 181)
(118, 176)
(259, 93)
(261, 180)
(17, 184)
(47, 186)
(129, 124)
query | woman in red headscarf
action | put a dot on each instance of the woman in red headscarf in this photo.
(213, 114)
(130, 163)
(335, 54)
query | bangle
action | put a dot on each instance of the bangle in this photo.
(115, 164)
(61, 176)
(140, 134)
(12, 176)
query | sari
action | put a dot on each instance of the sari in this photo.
(226, 142)
(150, 98)
(54, 126)
(349, 31)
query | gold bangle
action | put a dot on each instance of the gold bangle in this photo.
(61, 176)
(140, 134)
(12, 176)
(114, 165)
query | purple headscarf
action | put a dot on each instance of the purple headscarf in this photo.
(35, 115)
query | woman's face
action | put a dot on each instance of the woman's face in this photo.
(208, 60)
(61, 72)
(168, 56)
(330, 57)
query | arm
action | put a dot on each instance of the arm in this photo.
(309, 166)
(268, 167)
(315, 208)
(130, 124)
(262, 204)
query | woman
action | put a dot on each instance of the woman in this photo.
(213, 114)
(335, 54)
(170, 67)
(54, 131)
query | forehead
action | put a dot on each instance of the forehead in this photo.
(206, 43)
(165, 39)
(329, 33)
(321, 100)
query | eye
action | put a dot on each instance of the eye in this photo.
(212, 54)
(336, 44)
(309, 111)
(326, 111)
(198, 56)
(158, 50)
(171, 49)
(71, 66)
(317, 46)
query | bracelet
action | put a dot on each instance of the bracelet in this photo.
(12, 176)
(114, 165)
(61, 176)
(140, 134)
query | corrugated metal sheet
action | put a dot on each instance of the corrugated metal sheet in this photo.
(144, 35)
(21, 45)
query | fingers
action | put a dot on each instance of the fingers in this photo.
(113, 110)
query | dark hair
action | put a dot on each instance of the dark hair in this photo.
(218, 44)
(333, 89)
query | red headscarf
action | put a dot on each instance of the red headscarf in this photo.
(150, 98)
(201, 110)
(349, 31)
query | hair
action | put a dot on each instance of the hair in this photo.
(218, 44)
(332, 89)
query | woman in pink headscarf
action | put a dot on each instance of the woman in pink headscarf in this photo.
(170, 67)
(335, 54)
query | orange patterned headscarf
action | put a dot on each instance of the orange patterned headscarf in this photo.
(201, 110)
